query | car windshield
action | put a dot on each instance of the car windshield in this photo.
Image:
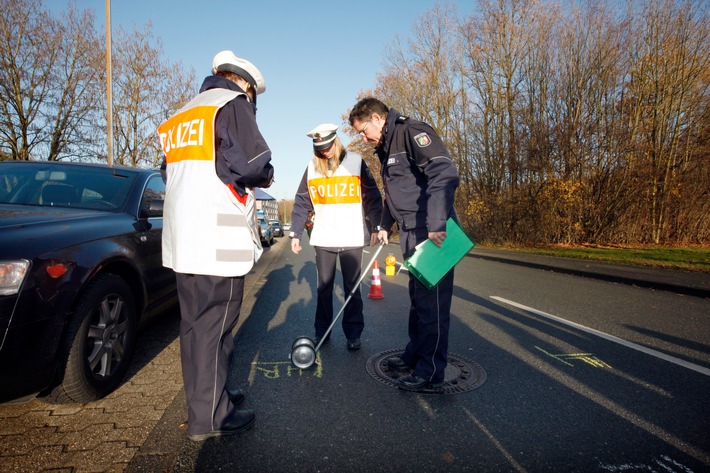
(56, 185)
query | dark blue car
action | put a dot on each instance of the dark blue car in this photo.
(266, 233)
(80, 271)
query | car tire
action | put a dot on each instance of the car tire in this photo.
(99, 343)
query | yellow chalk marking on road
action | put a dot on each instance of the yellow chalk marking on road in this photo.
(611, 338)
(274, 369)
(588, 358)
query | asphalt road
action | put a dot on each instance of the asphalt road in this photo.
(555, 365)
(580, 375)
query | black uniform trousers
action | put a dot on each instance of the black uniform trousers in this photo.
(429, 318)
(350, 262)
(209, 310)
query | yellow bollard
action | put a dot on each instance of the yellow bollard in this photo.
(390, 263)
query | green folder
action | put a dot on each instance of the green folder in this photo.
(429, 263)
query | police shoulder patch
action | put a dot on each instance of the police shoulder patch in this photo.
(422, 140)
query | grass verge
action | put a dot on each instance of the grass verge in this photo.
(684, 258)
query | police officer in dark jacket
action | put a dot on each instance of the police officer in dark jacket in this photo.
(420, 180)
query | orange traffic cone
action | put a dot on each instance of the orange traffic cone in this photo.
(376, 286)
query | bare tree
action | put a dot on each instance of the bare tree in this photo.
(585, 156)
(663, 105)
(497, 39)
(47, 79)
(569, 125)
(74, 98)
(53, 94)
(24, 73)
(419, 79)
(147, 90)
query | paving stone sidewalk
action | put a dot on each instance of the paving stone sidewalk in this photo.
(101, 436)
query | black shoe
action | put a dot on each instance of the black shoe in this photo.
(241, 420)
(414, 383)
(316, 339)
(354, 344)
(237, 396)
(397, 364)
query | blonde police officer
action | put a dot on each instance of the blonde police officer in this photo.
(338, 186)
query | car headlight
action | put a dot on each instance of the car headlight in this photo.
(12, 273)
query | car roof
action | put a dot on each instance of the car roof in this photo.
(18, 162)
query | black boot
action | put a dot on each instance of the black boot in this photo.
(237, 396)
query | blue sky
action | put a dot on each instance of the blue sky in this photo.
(316, 56)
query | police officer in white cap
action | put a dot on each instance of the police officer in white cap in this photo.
(215, 157)
(338, 186)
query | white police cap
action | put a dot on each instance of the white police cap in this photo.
(323, 136)
(227, 61)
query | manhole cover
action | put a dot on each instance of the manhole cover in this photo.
(461, 375)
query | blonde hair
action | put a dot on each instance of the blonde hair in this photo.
(327, 167)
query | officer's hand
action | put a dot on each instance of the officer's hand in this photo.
(382, 236)
(295, 245)
(373, 239)
(437, 237)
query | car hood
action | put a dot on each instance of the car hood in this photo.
(28, 231)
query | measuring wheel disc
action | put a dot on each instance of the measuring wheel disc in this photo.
(303, 353)
(302, 341)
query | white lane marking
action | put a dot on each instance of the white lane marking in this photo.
(612, 338)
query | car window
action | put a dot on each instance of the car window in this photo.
(154, 189)
(64, 186)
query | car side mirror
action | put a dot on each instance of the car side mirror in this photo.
(152, 208)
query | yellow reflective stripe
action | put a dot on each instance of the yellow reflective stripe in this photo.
(335, 190)
(188, 135)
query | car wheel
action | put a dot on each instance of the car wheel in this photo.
(99, 342)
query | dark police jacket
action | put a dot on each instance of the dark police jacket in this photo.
(418, 173)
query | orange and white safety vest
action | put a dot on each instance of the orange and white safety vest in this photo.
(337, 202)
(206, 229)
